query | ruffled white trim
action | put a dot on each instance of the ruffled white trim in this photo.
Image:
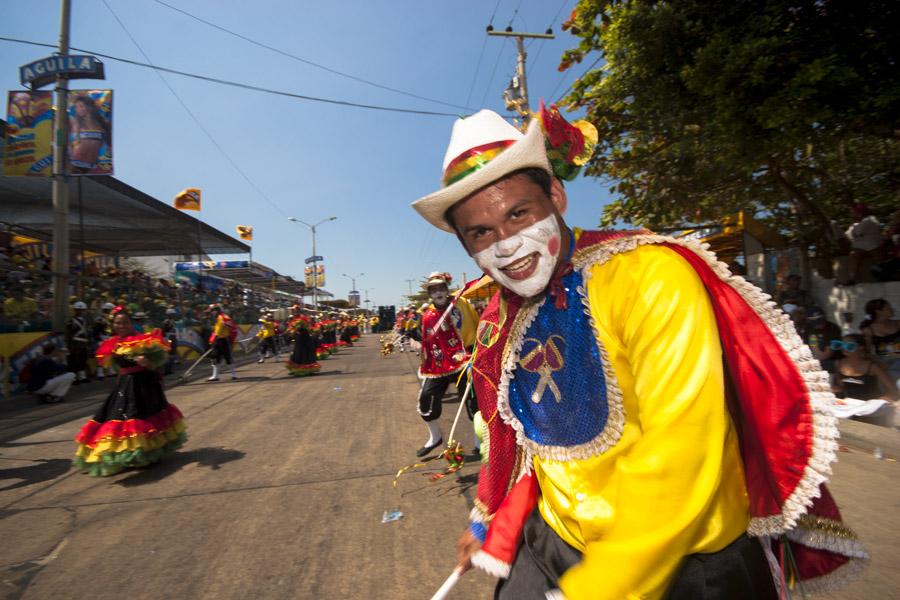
(526, 466)
(615, 420)
(820, 540)
(818, 390)
(837, 579)
(491, 565)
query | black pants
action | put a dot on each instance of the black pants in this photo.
(267, 344)
(737, 572)
(433, 390)
(78, 356)
(221, 351)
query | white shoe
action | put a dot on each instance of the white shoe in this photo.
(260, 361)
(213, 378)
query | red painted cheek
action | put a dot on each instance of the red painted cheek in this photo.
(553, 245)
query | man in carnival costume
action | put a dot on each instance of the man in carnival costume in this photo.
(656, 427)
(221, 339)
(448, 334)
(267, 335)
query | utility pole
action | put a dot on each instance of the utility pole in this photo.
(409, 282)
(315, 271)
(516, 95)
(60, 191)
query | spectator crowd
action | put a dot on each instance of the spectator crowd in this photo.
(26, 294)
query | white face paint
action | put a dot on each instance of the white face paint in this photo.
(439, 295)
(524, 263)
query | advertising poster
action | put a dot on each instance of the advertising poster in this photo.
(29, 130)
(90, 132)
(320, 278)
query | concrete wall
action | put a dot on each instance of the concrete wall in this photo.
(845, 305)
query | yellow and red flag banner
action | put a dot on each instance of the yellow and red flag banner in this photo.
(188, 199)
(317, 280)
(29, 129)
(245, 231)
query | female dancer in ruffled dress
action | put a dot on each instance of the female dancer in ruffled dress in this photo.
(303, 359)
(136, 426)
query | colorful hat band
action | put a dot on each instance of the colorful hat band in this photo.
(474, 159)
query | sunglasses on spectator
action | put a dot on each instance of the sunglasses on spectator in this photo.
(838, 345)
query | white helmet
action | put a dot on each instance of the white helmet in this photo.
(79, 304)
(108, 306)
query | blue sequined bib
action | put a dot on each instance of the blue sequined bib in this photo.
(558, 390)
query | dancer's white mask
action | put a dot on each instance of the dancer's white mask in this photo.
(439, 295)
(543, 237)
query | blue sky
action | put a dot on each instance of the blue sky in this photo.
(311, 160)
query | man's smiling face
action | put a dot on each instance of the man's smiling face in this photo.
(512, 229)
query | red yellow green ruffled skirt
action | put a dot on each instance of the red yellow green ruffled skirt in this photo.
(112, 446)
(299, 370)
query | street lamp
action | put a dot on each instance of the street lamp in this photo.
(368, 311)
(352, 278)
(315, 258)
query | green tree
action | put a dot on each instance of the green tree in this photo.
(786, 109)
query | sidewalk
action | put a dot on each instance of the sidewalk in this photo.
(23, 414)
(867, 437)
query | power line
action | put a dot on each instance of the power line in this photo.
(549, 27)
(559, 12)
(494, 71)
(515, 12)
(194, 117)
(306, 61)
(566, 74)
(481, 55)
(237, 84)
(494, 14)
(477, 69)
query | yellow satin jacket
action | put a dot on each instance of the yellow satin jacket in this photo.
(673, 485)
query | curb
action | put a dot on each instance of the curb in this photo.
(25, 415)
(868, 437)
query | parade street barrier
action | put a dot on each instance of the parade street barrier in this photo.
(17, 348)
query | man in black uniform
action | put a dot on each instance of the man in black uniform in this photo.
(77, 339)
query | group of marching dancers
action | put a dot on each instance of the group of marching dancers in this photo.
(136, 426)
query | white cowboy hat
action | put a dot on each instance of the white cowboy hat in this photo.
(437, 278)
(483, 148)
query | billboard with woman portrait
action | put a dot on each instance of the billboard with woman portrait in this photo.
(90, 133)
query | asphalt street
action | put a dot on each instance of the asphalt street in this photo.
(280, 493)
